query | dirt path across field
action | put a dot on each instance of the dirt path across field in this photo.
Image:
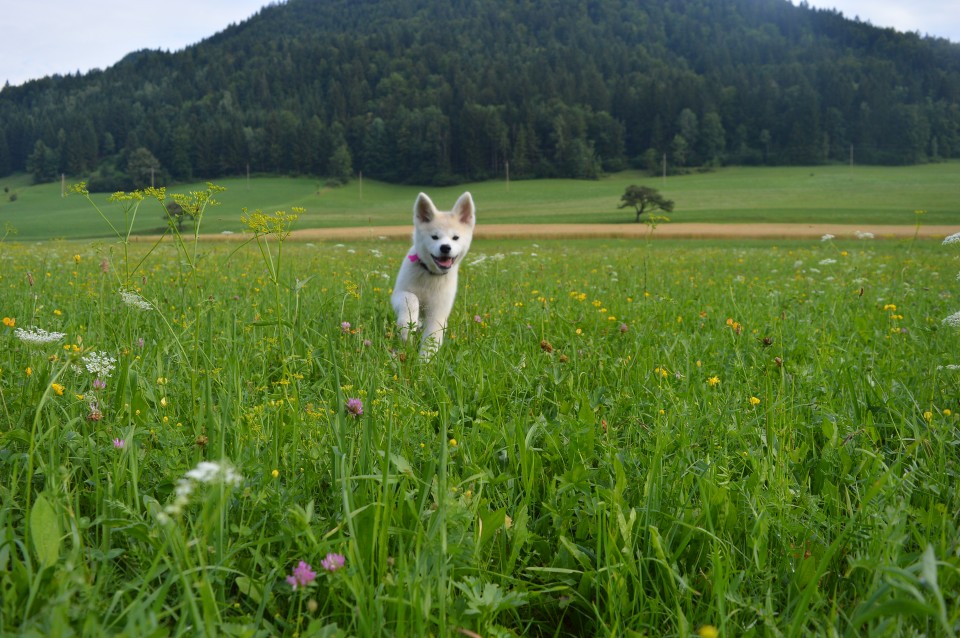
(663, 231)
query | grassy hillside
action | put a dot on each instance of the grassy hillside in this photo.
(837, 194)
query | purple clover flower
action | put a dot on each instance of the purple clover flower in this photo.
(302, 576)
(332, 562)
(355, 407)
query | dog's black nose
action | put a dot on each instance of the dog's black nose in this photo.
(445, 248)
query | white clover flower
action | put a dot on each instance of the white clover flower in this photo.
(135, 300)
(953, 320)
(827, 261)
(206, 473)
(37, 336)
(952, 239)
(99, 363)
(827, 237)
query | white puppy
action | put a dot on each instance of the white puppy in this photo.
(427, 281)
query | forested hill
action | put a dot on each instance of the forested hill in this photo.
(435, 91)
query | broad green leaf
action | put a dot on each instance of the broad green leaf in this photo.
(45, 531)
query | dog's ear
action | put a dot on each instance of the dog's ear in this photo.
(465, 210)
(423, 209)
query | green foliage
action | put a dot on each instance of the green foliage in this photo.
(828, 194)
(438, 93)
(719, 434)
(644, 199)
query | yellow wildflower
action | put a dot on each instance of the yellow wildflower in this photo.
(708, 631)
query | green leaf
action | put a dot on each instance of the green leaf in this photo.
(45, 531)
(490, 523)
(250, 588)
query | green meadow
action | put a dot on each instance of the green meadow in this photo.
(834, 194)
(617, 438)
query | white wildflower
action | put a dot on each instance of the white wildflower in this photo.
(206, 473)
(827, 237)
(952, 239)
(37, 336)
(953, 320)
(135, 300)
(210, 472)
(99, 363)
(827, 261)
(951, 367)
(860, 234)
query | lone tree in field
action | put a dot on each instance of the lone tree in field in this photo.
(643, 199)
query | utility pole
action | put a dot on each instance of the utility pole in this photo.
(507, 164)
(63, 185)
(664, 168)
(851, 155)
(360, 173)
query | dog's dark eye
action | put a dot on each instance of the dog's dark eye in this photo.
(435, 236)
(456, 237)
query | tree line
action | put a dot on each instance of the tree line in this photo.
(441, 91)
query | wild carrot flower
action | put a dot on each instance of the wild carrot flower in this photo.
(827, 237)
(302, 575)
(99, 363)
(206, 473)
(37, 336)
(953, 320)
(355, 407)
(134, 299)
(332, 562)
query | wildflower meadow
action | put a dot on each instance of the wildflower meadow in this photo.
(617, 438)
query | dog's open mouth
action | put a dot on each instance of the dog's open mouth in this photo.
(444, 263)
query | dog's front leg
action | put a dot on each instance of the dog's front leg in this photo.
(406, 305)
(435, 323)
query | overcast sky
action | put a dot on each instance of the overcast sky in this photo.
(44, 37)
(940, 18)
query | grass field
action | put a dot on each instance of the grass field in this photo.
(617, 439)
(835, 194)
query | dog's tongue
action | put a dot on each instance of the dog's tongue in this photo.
(444, 262)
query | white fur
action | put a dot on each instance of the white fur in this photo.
(426, 286)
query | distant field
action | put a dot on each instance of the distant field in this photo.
(834, 194)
